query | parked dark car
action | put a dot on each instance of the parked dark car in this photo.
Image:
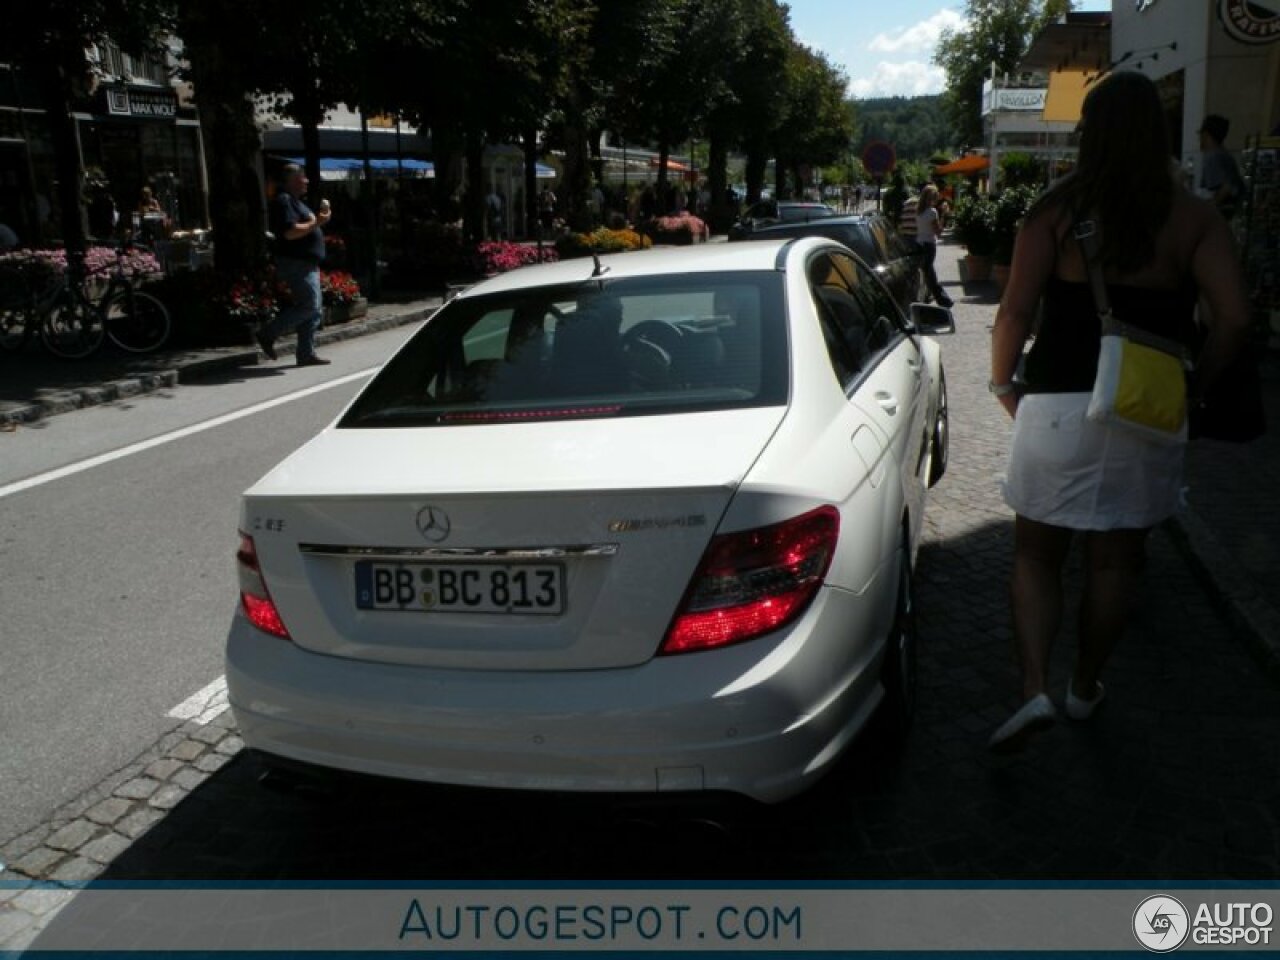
(767, 213)
(895, 259)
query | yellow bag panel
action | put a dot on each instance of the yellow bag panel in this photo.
(1151, 389)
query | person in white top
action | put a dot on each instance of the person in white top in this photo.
(928, 230)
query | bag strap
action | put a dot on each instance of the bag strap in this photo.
(1086, 234)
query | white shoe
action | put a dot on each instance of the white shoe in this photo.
(1033, 716)
(1078, 709)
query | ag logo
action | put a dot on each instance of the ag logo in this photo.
(1161, 924)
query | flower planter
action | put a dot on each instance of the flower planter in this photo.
(1000, 274)
(977, 268)
(345, 312)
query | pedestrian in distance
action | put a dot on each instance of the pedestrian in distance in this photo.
(299, 248)
(1220, 178)
(1160, 248)
(928, 231)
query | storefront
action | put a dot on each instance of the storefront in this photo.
(1221, 58)
(141, 137)
(129, 135)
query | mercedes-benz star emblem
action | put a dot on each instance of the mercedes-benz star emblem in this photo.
(433, 524)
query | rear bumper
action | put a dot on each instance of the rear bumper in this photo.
(765, 719)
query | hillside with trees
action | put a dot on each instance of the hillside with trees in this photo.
(916, 126)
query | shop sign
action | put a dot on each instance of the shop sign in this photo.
(144, 104)
(1020, 99)
(1250, 22)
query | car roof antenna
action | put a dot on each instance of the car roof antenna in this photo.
(600, 269)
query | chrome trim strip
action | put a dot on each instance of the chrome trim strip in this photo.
(455, 553)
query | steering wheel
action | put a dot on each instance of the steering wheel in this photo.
(660, 333)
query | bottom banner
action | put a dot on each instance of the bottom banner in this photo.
(125, 918)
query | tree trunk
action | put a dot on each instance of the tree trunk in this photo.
(577, 176)
(720, 211)
(474, 199)
(447, 151)
(55, 91)
(232, 145)
(310, 116)
(530, 138)
(757, 163)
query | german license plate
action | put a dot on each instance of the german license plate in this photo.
(460, 588)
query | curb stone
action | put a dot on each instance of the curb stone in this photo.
(43, 868)
(1251, 615)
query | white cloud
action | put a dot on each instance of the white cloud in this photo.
(920, 38)
(904, 79)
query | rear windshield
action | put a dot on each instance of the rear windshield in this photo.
(629, 347)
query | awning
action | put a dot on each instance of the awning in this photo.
(1066, 94)
(379, 165)
(973, 163)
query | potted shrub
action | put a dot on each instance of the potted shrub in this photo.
(1011, 208)
(340, 295)
(974, 222)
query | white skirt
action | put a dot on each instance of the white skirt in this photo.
(1068, 471)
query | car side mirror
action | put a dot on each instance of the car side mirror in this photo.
(931, 320)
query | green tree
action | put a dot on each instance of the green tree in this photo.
(817, 125)
(746, 117)
(996, 35)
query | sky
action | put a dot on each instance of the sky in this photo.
(885, 46)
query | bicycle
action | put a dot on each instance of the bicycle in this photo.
(72, 324)
(135, 321)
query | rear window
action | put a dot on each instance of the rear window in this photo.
(627, 347)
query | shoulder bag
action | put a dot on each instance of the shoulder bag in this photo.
(1141, 383)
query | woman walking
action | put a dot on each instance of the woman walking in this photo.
(928, 231)
(1160, 249)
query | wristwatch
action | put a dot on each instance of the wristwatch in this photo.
(1001, 389)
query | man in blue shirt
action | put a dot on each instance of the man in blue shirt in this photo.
(298, 252)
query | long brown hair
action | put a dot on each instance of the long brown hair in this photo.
(1124, 177)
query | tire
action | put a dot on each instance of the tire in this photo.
(137, 323)
(940, 443)
(900, 674)
(73, 328)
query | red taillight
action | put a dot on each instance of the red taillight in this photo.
(753, 582)
(258, 605)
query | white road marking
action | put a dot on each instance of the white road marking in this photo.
(102, 458)
(203, 705)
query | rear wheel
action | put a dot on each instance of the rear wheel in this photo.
(73, 328)
(900, 671)
(137, 322)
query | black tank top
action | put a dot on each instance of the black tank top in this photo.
(1064, 355)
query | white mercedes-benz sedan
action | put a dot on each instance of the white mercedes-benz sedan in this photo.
(643, 524)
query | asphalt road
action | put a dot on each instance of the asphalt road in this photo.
(117, 533)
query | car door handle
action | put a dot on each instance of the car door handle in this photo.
(888, 402)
